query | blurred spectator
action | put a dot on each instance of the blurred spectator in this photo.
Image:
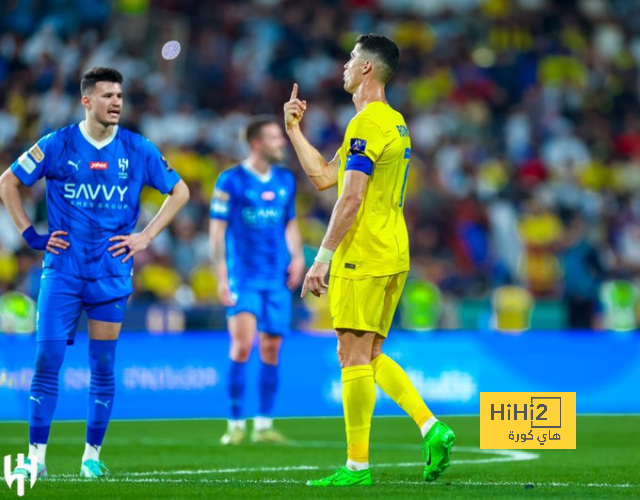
(523, 115)
(583, 272)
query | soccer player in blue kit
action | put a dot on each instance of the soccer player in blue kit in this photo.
(257, 251)
(94, 174)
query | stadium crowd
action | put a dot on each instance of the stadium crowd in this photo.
(524, 119)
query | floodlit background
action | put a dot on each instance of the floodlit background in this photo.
(523, 204)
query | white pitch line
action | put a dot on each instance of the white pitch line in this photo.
(504, 456)
(76, 479)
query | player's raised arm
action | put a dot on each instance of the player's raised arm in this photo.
(10, 195)
(323, 174)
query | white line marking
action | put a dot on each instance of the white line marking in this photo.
(76, 479)
(504, 456)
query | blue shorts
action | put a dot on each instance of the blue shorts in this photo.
(62, 299)
(272, 308)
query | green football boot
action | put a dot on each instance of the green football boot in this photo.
(25, 470)
(437, 449)
(344, 477)
(93, 469)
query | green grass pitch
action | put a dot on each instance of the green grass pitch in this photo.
(182, 459)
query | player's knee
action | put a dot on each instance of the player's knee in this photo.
(240, 351)
(48, 361)
(348, 356)
(269, 351)
(375, 352)
(102, 356)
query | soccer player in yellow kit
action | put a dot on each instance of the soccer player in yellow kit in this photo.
(368, 248)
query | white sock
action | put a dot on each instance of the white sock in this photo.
(232, 425)
(356, 466)
(262, 423)
(91, 452)
(37, 452)
(428, 425)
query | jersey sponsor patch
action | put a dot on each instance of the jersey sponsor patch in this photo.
(36, 153)
(221, 195)
(358, 146)
(26, 163)
(98, 165)
(268, 195)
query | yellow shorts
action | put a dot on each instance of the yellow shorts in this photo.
(367, 304)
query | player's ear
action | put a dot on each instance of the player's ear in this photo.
(367, 67)
(86, 102)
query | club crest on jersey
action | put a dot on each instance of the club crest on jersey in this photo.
(123, 167)
(98, 165)
(36, 153)
(268, 195)
(358, 146)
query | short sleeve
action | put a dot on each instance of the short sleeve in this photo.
(366, 143)
(160, 174)
(221, 199)
(33, 164)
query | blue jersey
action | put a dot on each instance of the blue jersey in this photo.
(93, 193)
(257, 210)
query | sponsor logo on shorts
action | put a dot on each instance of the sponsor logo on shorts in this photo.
(349, 266)
(98, 165)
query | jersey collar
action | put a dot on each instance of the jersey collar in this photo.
(266, 177)
(92, 141)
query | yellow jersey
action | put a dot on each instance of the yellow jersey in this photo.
(378, 243)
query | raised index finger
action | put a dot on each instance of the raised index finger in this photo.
(294, 92)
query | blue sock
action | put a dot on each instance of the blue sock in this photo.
(102, 357)
(43, 396)
(237, 382)
(268, 388)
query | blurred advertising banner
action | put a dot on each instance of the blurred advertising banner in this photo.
(184, 375)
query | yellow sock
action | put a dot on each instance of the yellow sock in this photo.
(393, 380)
(358, 399)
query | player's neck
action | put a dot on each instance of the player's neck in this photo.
(368, 92)
(257, 164)
(98, 131)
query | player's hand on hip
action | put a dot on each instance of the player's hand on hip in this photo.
(314, 280)
(56, 242)
(295, 273)
(130, 244)
(224, 293)
(294, 109)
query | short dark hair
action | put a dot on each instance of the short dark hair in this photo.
(98, 74)
(255, 125)
(385, 50)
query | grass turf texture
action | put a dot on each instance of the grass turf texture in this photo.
(182, 459)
